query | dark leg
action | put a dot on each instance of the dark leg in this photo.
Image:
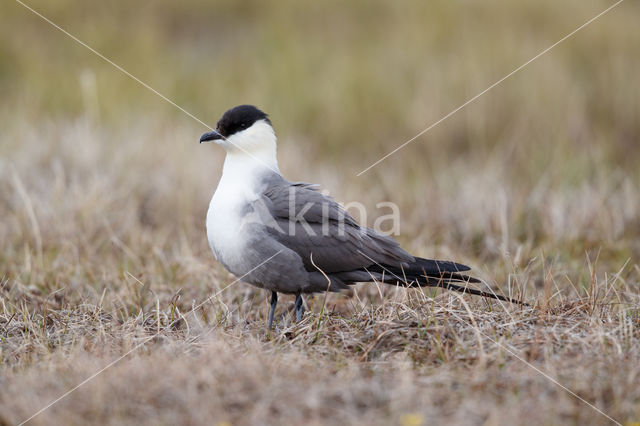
(274, 302)
(299, 307)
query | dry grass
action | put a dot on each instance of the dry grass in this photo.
(103, 193)
(105, 256)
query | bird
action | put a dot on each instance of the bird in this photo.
(288, 237)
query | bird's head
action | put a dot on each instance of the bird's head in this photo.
(243, 128)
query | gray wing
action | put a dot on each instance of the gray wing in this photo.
(315, 226)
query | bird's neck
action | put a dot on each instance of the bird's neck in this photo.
(246, 166)
(251, 150)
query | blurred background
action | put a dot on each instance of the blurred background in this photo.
(104, 191)
(545, 164)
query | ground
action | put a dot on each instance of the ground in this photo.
(113, 310)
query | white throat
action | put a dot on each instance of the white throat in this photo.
(251, 154)
(251, 151)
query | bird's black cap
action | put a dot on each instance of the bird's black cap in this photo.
(239, 118)
(234, 120)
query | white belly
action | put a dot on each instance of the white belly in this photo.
(225, 226)
(238, 233)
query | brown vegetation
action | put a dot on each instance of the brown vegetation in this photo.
(104, 189)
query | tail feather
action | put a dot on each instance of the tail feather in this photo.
(429, 266)
(435, 273)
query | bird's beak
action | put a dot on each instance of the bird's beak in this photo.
(211, 136)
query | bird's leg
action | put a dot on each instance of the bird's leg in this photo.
(272, 311)
(299, 307)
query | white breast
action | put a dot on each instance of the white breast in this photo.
(224, 222)
(250, 154)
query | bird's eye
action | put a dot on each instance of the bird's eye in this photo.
(243, 125)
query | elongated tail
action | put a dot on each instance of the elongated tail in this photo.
(435, 273)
